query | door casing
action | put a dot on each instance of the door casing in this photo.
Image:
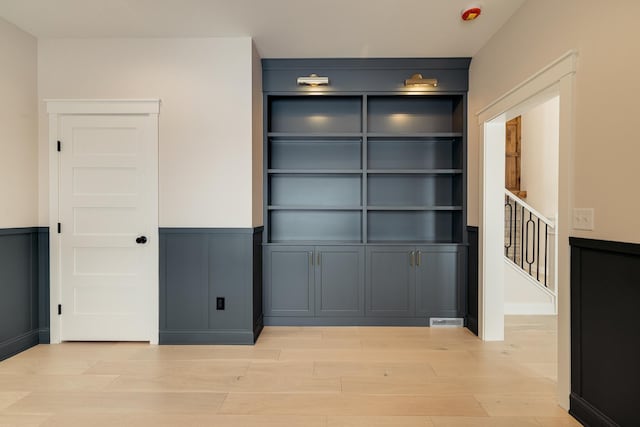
(60, 107)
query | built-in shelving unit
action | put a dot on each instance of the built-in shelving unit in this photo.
(414, 169)
(314, 170)
(399, 167)
(361, 168)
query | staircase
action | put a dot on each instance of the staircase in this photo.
(529, 251)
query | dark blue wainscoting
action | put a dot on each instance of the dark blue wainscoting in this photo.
(605, 338)
(472, 280)
(24, 289)
(200, 265)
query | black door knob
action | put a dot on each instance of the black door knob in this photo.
(141, 240)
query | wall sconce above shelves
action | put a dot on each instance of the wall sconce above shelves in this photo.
(416, 80)
(313, 80)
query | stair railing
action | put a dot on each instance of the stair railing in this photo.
(528, 236)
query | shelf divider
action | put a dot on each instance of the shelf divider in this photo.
(414, 208)
(415, 171)
(311, 135)
(316, 171)
(423, 135)
(313, 208)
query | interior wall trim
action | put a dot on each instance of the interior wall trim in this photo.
(342, 321)
(461, 63)
(206, 337)
(606, 245)
(18, 344)
(201, 230)
(18, 230)
(587, 414)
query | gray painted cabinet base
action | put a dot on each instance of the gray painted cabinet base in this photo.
(199, 266)
(436, 267)
(416, 281)
(391, 281)
(345, 321)
(289, 281)
(338, 285)
(310, 281)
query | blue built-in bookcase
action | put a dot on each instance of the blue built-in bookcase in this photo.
(365, 192)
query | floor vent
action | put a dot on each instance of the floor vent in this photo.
(446, 322)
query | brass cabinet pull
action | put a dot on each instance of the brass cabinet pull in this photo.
(418, 258)
(311, 257)
(318, 258)
(412, 256)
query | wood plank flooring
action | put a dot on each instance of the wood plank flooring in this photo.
(295, 376)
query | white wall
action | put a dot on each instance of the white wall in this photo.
(539, 177)
(206, 144)
(603, 158)
(606, 149)
(18, 128)
(257, 136)
(523, 297)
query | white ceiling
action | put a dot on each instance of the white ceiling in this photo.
(280, 28)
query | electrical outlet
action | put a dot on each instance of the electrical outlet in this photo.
(583, 218)
(220, 303)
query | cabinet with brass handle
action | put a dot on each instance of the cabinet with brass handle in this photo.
(316, 257)
(415, 257)
(426, 285)
(314, 281)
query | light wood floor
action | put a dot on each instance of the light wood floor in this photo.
(311, 377)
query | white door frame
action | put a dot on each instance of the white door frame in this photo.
(60, 107)
(556, 79)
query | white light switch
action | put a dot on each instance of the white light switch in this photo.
(583, 218)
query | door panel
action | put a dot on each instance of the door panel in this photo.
(105, 181)
(91, 221)
(289, 281)
(390, 281)
(106, 199)
(513, 157)
(339, 281)
(437, 282)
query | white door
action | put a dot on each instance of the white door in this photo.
(108, 227)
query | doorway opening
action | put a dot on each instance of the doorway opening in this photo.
(554, 81)
(531, 209)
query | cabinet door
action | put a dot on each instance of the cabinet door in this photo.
(437, 281)
(390, 281)
(339, 281)
(289, 281)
